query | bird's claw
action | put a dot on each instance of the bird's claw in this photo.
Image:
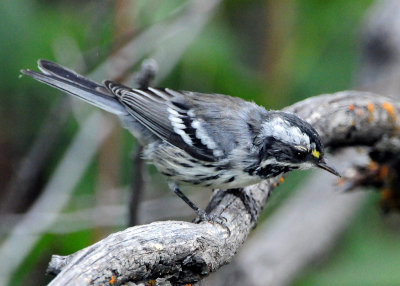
(203, 216)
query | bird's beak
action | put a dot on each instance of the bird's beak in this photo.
(324, 165)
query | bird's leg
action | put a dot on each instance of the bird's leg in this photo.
(248, 202)
(202, 215)
(191, 204)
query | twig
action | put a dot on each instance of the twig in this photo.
(145, 76)
(186, 252)
(138, 186)
(142, 79)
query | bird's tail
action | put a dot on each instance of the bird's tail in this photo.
(69, 81)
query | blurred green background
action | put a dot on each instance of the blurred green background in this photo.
(272, 52)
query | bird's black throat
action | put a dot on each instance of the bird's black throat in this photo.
(269, 171)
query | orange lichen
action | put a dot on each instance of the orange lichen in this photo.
(360, 112)
(281, 180)
(351, 107)
(390, 110)
(370, 107)
(188, 284)
(112, 280)
(151, 283)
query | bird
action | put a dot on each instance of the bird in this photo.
(200, 139)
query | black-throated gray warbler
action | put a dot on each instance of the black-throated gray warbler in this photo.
(210, 140)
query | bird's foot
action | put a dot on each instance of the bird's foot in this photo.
(203, 216)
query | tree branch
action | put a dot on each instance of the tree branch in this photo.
(185, 252)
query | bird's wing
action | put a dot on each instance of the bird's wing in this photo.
(189, 121)
(207, 126)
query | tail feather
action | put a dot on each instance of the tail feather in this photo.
(68, 81)
(50, 68)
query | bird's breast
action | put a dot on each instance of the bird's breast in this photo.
(180, 167)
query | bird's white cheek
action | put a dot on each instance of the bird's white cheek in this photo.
(306, 165)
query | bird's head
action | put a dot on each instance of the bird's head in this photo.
(287, 142)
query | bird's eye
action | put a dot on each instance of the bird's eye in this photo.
(300, 155)
(300, 152)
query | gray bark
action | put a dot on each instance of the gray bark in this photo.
(183, 252)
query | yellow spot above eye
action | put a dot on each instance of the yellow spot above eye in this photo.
(315, 153)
